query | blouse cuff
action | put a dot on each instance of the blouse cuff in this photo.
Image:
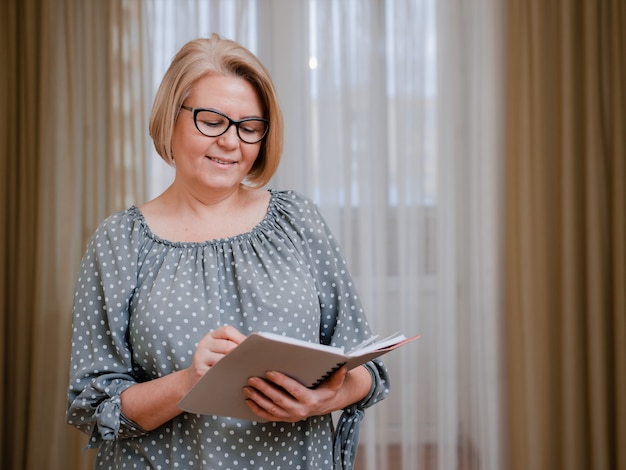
(111, 424)
(346, 439)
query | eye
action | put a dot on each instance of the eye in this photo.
(248, 130)
(213, 123)
(252, 127)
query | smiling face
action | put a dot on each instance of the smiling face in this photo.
(215, 163)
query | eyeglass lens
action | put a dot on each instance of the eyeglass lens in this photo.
(213, 124)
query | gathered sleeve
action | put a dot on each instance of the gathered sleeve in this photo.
(101, 365)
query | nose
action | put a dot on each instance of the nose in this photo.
(230, 138)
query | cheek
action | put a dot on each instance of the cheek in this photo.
(252, 153)
(185, 144)
(177, 140)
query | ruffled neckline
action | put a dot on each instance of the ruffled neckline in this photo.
(272, 208)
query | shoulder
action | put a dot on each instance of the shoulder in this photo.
(122, 222)
(119, 229)
(296, 204)
(303, 214)
(116, 241)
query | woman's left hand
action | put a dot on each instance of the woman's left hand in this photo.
(277, 397)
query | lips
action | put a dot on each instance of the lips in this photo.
(220, 161)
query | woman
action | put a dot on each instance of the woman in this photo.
(168, 288)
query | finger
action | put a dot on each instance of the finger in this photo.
(229, 333)
(221, 346)
(256, 409)
(222, 340)
(264, 406)
(286, 384)
(204, 357)
(272, 391)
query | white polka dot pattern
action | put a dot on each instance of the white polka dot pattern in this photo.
(142, 304)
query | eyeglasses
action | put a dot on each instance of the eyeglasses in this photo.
(212, 123)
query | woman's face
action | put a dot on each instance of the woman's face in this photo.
(222, 162)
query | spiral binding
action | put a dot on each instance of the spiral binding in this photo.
(328, 374)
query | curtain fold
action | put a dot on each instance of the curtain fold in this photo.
(18, 211)
(469, 238)
(565, 249)
(74, 152)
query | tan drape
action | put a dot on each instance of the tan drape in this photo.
(72, 153)
(18, 214)
(566, 234)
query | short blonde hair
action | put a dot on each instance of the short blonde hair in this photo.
(216, 56)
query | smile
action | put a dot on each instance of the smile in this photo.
(221, 162)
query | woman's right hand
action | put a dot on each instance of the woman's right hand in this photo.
(210, 349)
(152, 403)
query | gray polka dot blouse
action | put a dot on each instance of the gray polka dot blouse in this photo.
(142, 304)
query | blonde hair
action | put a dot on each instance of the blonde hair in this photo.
(216, 56)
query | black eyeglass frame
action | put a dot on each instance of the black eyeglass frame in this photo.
(231, 122)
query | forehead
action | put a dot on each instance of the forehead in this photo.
(229, 94)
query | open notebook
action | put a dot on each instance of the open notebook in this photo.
(219, 391)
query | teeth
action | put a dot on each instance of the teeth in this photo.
(217, 160)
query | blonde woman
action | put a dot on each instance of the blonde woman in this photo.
(168, 288)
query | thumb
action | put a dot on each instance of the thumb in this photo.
(335, 380)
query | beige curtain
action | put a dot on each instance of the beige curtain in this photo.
(72, 154)
(566, 234)
(18, 213)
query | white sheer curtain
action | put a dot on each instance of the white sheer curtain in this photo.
(394, 129)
